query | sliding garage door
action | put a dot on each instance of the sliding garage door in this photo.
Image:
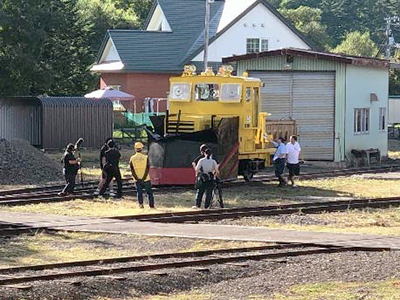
(309, 99)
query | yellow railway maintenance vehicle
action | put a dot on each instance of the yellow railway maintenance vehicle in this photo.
(218, 109)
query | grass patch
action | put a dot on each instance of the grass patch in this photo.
(253, 194)
(389, 290)
(44, 248)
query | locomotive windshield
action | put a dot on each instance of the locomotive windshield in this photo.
(206, 92)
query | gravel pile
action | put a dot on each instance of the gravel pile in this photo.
(21, 163)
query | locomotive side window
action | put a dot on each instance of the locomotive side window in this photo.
(206, 92)
(180, 92)
(231, 92)
(248, 94)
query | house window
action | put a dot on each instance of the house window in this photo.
(253, 45)
(116, 87)
(382, 119)
(264, 45)
(361, 120)
(256, 45)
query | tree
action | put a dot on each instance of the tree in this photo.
(357, 44)
(104, 15)
(43, 50)
(308, 21)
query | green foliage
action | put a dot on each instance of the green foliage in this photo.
(43, 50)
(104, 15)
(357, 44)
(308, 21)
(48, 46)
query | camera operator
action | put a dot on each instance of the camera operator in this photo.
(206, 170)
(70, 169)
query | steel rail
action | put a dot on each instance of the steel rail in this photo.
(274, 210)
(150, 257)
(178, 264)
(333, 173)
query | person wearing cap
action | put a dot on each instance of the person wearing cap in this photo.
(140, 167)
(111, 169)
(280, 159)
(70, 169)
(203, 149)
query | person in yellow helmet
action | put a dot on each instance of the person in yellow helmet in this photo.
(140, 168)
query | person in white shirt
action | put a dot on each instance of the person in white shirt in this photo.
(293, 153)
(206, 170)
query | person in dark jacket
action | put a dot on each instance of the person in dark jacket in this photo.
(70, 169)
(111, 169)
(103, 178)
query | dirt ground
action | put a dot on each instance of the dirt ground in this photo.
(340, 276)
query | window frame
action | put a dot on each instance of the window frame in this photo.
(362, 120)
(239, 100)
(250, 42)
(116, 87)
(382, 117)
(262, 49)
(209, 83)
(260, 44)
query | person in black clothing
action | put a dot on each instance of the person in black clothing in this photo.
(111, 169)
(103, 150)
(71, 167)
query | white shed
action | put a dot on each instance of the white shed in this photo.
(339, 102)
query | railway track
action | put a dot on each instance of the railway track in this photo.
(49, 193)
(273, 210)
(25, 274)
(208, 215)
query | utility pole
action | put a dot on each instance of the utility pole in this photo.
(391, 44)
(207, 32)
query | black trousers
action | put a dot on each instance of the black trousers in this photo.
(112, 172)
(206, 187)
(70, 186)
(279, 168)
(145, 185)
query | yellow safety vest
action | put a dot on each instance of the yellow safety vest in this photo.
(139, 163)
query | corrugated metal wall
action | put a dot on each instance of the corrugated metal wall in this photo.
(308, 98)
(278, 63)
(20, 118)
(66, 119)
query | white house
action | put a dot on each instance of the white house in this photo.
(140, 62)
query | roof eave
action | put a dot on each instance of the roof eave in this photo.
(357, 61)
